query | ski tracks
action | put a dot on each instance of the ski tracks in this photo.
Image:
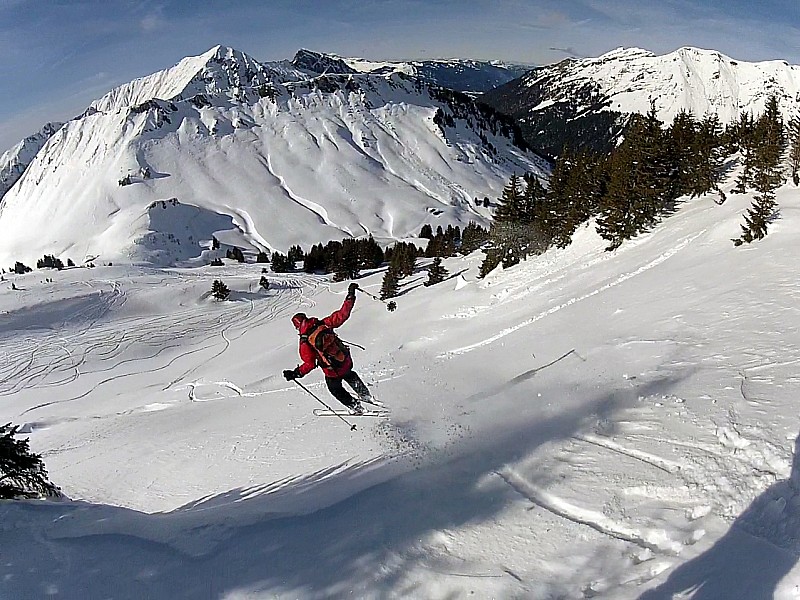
(655, 540)
(575, 299)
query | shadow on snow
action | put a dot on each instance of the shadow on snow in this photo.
(255, 540)
(750, 560)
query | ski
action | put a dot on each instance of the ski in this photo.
(323, 412)
(373, 401)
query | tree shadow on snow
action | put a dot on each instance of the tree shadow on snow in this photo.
(750, 560)
(362, 545)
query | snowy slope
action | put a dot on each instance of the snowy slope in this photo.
(690, 79)
(593, 96)
(14, 161)
(280, 158)
(586, 424)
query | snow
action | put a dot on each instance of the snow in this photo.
(308, 166)
(689, 79)
(585, 424)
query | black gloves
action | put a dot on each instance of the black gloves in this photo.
(351, 289)
(291, 374)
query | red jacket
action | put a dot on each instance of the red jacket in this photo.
(309, 355)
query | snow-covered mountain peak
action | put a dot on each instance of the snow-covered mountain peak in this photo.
(14, 161)
(591, 99)
(220, 70)
(318, 62)
(262, 156)
(691, 79)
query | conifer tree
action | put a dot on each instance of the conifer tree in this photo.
(346, 261)
(638, 189)
(390, 287)
(681, 159)
(426, 232)
(494, 256)
(22, 473)
(235, 253)
(262, 257)
(20, 268)
(707, 154)
(767, 174)
(794, 148)
(295, 254)
(219, 290)
(742, 135)
(436, 272)
(280, 263)
(370, 254)
(474, 237)
(315, 259)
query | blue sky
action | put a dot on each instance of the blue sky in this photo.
(58, 55)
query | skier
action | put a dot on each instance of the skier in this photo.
(320, 346)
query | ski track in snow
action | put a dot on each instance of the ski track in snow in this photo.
(655, 540)
(29, 363)
(620, 279)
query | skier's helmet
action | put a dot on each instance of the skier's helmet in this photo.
(298, 320)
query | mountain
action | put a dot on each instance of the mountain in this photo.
(471, 76)
(588, 424)
(588, 101)
(14, 161)
(262, 156)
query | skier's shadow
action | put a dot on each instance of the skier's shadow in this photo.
(752, 558)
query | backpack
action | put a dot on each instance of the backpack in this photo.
(332, 351)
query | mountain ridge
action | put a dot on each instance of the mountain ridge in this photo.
(591, 99)
(280, 157)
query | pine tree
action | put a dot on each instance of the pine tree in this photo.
(474, 237)
(49, 262)
(314, 260)
(707, 156)
(494, 256)
(794, 148)
(295, 254)
(436, 272)
(262, 257)
(742, 136)
(346, 261)
(638, 188)
(426, 232)
(403, 259)
(391, 283)
(280, 263)
(235, 253)
(20, 268)
(767, 174)
(370, 254)
(219, 290)
(22, 473)
(681, 159)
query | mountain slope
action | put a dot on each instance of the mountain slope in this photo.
(585, 424)
(587, 101)
(14, 161)
(281, 158)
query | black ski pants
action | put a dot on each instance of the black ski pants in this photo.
(342, 395)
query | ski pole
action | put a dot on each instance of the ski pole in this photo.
(390, 306)
(352, 425)
(353, 344)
